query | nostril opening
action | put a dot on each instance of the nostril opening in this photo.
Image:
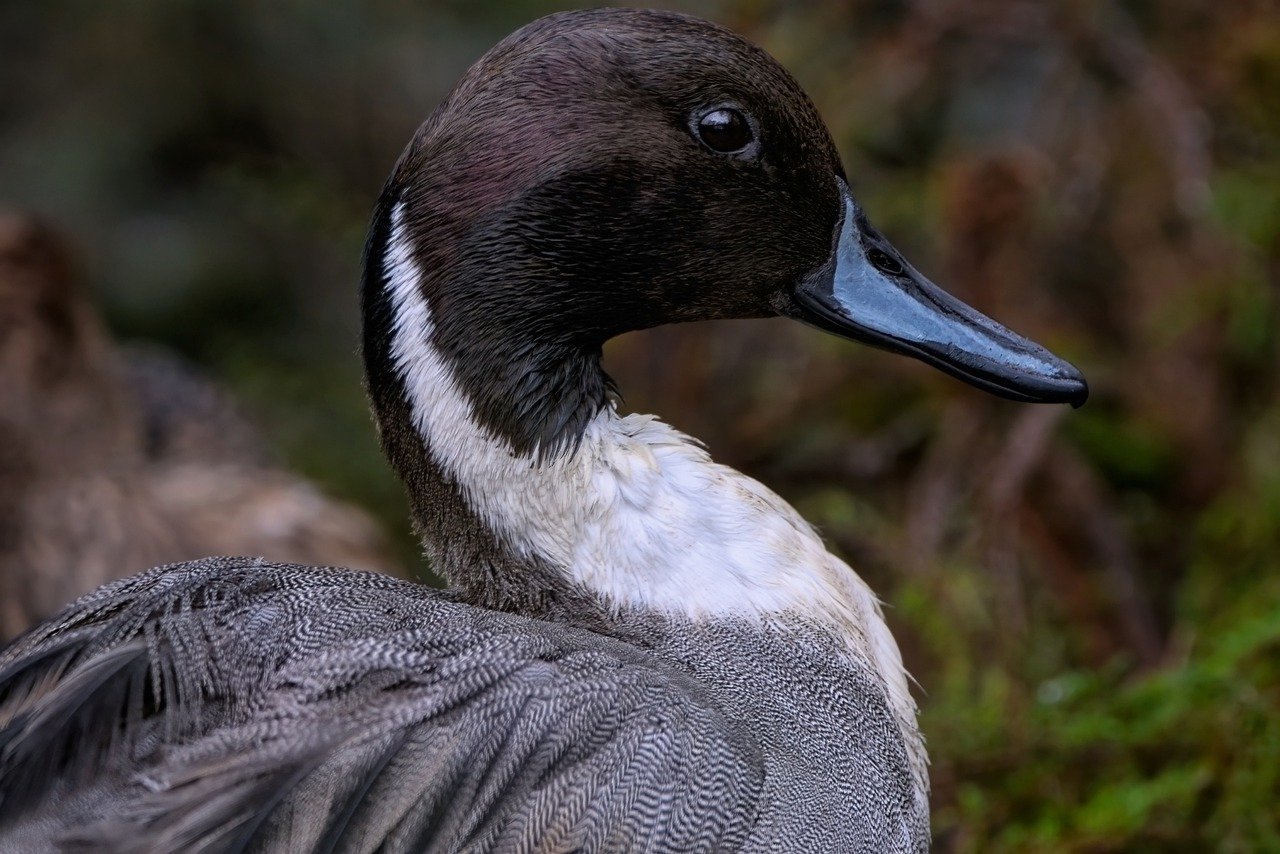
(884, 262)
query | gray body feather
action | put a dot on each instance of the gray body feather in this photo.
(233, 704)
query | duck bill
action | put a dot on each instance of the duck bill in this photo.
(868, 293)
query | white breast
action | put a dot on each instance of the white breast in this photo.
(639, 513)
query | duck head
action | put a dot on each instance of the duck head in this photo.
(606, 171)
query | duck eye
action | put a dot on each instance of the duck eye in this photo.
(725, 130)
(884, 262)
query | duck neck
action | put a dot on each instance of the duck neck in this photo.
(528, 484)
(468, 402)
(566, 510)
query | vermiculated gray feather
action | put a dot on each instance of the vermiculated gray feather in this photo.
(256, 706)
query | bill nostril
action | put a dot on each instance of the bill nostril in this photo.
(884, 261)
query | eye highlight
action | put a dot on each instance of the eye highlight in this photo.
(724, 130)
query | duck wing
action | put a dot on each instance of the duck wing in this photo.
(232, 704)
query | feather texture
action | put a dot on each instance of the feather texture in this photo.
(293, 708)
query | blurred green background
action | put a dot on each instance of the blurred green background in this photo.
(1090, 600)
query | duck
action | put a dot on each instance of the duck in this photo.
(115, 459)
(638, 648)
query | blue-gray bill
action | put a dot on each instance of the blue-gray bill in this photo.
(868, 293)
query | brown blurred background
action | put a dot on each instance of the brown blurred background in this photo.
(1090, 600)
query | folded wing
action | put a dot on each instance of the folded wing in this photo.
(231, 704)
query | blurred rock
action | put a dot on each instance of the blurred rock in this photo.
(112, 460)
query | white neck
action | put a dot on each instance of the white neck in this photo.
(638, 513)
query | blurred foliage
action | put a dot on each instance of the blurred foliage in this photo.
(1090, 600)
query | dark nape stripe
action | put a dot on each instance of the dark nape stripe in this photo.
(378, 315)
